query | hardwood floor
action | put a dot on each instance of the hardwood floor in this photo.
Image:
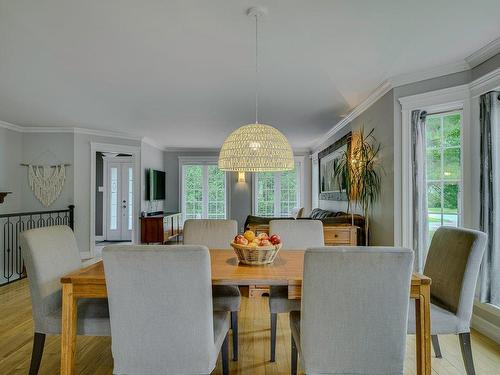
(94, 353)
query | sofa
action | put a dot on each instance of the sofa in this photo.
(328, 218)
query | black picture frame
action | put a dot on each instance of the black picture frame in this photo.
(329, 190)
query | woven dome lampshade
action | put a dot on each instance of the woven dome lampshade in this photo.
(256, 148)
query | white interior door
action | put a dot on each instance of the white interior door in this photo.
(120, 198)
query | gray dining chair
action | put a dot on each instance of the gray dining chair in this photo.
(453, 264)
(160, 303)
(217, 234)
(354, 311)
(50, 253)
(295, 235)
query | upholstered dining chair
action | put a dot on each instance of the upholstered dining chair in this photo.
(354, 311)
(50, 253)
(453, 264)
(217, 234)
(156, 326)
(295, 235)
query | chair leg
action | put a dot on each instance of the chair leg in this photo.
(225, 356)
(294, 357)
(274, 322)
(36, 355)
(234, 328)
(435, 345)
(465, 345)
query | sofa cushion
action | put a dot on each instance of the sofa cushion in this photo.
(318, 213)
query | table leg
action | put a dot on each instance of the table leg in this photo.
(68, 330)
(423, 330)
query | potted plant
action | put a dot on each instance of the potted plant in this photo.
(360, 169)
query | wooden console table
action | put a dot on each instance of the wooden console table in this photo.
(334, 235)
(161, 228)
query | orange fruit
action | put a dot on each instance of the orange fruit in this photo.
(249, 235)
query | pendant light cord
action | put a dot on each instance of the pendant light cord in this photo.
(256, 69)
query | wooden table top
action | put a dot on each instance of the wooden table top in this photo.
(286, 269)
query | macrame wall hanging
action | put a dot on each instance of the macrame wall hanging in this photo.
(46, 181)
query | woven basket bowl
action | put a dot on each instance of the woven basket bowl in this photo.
(256, 255)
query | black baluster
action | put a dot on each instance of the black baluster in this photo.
(71, 222)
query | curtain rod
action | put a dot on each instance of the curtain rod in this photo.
(52, 166)
(425, 113)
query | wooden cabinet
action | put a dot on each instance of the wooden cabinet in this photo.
(334, 235)
(337, 235)
(161, 228)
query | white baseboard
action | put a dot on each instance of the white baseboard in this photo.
(99, 238)
(486, 328)
(85, 255)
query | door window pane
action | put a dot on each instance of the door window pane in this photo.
(277, 193)
(288, 199)
(265, 194)
(216, 193)
(451, 163)
(113, 214)
(204, 194)
(443, 168)
(130, 197)
(193, 193)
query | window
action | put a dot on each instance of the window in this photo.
(203, 192)
(443, 169)
(277, 194)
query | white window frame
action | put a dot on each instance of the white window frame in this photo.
(443, 181)
(204, 161)
(299, 164)
(450, 99)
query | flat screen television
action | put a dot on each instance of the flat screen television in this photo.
(155, 185)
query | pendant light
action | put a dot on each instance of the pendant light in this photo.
(256, 147)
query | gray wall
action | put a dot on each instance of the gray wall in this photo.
(11, 153)
(151, 157)
(380, 117)
(36, 148)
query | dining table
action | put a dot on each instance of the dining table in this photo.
(286, 270)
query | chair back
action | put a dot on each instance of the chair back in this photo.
(212, 233)
(355, 310)
(49, 253)
(298, 234)
(453, 264)
(160, 304)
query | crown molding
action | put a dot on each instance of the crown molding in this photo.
(422, 75)
(72, 130)
(484, 53)
(8, 125)
(379, 92)
(488, 82)
(447, 95)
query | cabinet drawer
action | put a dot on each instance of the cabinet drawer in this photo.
(339, 236)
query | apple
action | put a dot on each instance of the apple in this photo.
(275, 239)
(240, 240)
(265, 243)
(263, 236)
(249, 235)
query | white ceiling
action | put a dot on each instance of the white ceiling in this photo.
(181, 72)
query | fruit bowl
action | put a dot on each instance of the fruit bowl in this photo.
(256, 255)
